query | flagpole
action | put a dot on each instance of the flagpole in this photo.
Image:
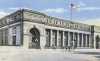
(71, 18)
(71, 11)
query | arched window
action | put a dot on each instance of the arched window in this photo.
(35, 41)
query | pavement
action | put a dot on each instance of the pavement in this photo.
(42, 55)
(93, 52)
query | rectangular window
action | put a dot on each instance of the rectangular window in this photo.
(47, 38)
(10, 36)
(1, 37)
(16, 35)
(88, 40)
(4, 37)
(60, 39)
(66, 39)
(14, 40)
(84, 40)
(54, 38)
(71, 36)
(14, 31)
(80, 39)
(75, 39)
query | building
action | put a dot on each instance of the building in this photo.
(31, 29)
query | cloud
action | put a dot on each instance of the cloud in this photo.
(3, 13)
(81, 6)
(17, 8)
(54, 10)
(92, 21)
(89, 8)
(49, 1)
(14, 8)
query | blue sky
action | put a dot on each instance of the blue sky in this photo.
(88, 10)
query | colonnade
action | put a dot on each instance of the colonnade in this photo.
(63, 39)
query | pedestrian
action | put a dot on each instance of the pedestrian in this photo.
(69, 48)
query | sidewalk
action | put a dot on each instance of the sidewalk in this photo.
(42, 55)
(93, 52)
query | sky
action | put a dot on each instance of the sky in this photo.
(85, 11)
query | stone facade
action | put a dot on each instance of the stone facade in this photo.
(35, 30)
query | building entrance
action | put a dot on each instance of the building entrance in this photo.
(35, 41)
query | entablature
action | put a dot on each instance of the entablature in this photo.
(52, 21)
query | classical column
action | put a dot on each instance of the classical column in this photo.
(90, 41)
(78, 41)
(86, 41)
(82, 41)
(57, 38)
(69, 39)
(95, 43)
(65, 39)
(63, 44)
(73, 40)
(51, 38)
(4, 37)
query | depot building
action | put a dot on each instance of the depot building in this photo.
(35, 30)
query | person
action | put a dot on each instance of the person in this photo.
(69, 47)
(66, 48)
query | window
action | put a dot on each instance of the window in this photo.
(60, 39)
(3, 22)
(7, 20)
(56, 22)
(80, 39)
(14, 36)
(66, 39)
(88, 40)
(11, 19)
(14, 40)
(84, 40)
(0, 23)
(48, 21)
(14, 31)
(47, 38)
(1, 37)
(60, 22)
(76, 26)
(4, 37)
(17, 17)
(54, 38)
(68, 25)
